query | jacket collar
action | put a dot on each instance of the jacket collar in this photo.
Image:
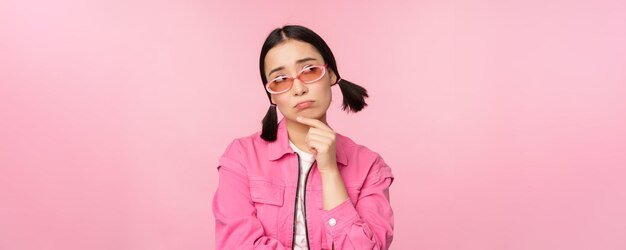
(280, 147)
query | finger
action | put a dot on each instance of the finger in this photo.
(317, 146)
(313, 152)
(313, 123)
(325, 133)
(311, 146)
(319, 138)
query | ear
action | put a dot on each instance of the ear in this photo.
(333, 77)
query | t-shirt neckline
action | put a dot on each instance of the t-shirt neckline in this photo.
(303, 155)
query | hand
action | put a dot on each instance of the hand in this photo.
(321, 141)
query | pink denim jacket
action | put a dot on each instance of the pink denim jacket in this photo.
(254, 204)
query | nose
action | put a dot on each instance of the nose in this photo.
(298, 88)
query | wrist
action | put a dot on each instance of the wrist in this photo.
(328, 170)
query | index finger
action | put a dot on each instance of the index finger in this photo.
(313, 123)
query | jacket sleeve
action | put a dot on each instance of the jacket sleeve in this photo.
(236, 224)
(368, 224)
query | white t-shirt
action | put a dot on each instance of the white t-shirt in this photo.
(306, 161)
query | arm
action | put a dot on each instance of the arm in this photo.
(369, 223)
(236, 224)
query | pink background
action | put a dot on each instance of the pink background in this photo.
(503, 121)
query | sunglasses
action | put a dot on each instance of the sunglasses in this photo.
(309, 74)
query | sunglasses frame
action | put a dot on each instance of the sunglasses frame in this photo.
(323, 66)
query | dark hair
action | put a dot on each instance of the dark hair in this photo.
(353, 95)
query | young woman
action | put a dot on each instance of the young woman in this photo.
(297, 183)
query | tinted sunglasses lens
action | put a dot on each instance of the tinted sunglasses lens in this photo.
(312, 74)
(281, 85)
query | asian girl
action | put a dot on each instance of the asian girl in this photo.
(297, 183)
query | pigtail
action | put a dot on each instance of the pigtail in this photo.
(270, 124)
(353, 96)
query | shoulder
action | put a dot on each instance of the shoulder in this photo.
(364, 163)
(241, 151)
(244, 144)
(354, 150)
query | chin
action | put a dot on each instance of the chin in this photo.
(305, 113)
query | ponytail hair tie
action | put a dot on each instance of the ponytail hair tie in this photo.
(338, 80)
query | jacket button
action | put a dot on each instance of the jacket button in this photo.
(332, 222)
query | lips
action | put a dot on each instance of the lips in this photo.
(304, 104)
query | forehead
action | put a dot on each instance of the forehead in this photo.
(288, 52)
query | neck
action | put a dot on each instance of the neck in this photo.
(298, 131)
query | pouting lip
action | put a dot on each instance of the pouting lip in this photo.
(302, 102)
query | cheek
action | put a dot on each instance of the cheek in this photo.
(281, 102)
(279, 99)
(327, 92)
(324, 94)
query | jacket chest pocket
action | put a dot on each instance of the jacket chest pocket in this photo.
(267, 198)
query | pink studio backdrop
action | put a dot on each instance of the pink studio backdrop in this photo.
(503, 121)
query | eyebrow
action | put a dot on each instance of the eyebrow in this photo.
(306, 59)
